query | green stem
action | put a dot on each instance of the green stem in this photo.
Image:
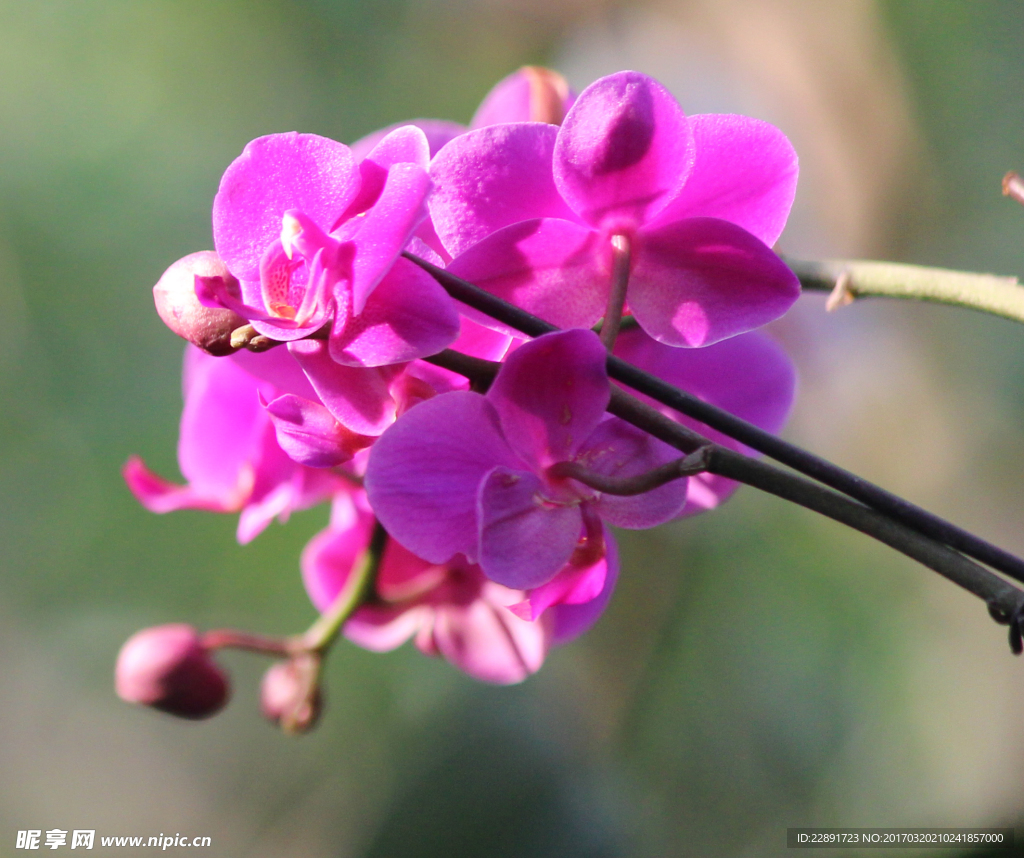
(848, 279)
(319, 636)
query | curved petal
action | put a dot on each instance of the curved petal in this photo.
(386, 228)
(493, 177)
(490, 643)
(618, 449)
(624, 150)
(310, 435)
(438, 132)
(549, 267)
(425, 470)
(550, 395)
(159, 495)
(697, 281)
(523, 541)
(406, 144)
(358, 397)
(278, 367)
(572, 620)
(272, 175)
(382, 628)
(745, 172)
(408, 316)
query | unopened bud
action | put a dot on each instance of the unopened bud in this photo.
(531, 94)
(290, 694)
(168, 668)
(175, 297)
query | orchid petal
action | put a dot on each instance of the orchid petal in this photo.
(387, 227)
(408, 316)
(551, 395)
(159, 495)
(491, 178)
(272, 175)
(490, 643)
(548, 267)
(358, 397)
(523, 541)
(745, 172)
(697, 281)
(437, 131)
(624, 150)
(329, 557)
(425, 470)
(571, 620)
(310, 435)
(530, 94)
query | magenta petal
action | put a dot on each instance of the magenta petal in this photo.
(624, 150)
(529, 94)
(549, 267)
(405, 144)
(273, 174)
(618, 449)
(424, 473)
(523, 542)
(387, 227)
(571, 620)
(550, 395)
(745, 172)
(408, 316)
(697, 281)
(159, 495)
(310, 435)
(222, 428)
(489, 642)
(491, 178)
(573, 585)
(358, 397)
(437, 131)
(278, 367)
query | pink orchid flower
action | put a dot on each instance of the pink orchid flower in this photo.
(228, 450)
(532, 212)
(493, 633)
(314, 240)
(471, 474)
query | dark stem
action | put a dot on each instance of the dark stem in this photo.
(752, 436)
(695, 463)
(1005, 602)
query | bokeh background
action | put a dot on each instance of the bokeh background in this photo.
(759, 667)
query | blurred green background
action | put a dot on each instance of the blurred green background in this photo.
(759, 668)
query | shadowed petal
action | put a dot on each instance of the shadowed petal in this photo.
(523, 541)
(697, 281)
(572, 620)
(310, 435)
(438, 132)
(424, 473)
(549, 267)
(358, 397)
(550, 395)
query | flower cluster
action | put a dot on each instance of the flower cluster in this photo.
(470, 514)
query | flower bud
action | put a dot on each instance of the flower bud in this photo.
(176, 303)
(166, 667)
(290, 694)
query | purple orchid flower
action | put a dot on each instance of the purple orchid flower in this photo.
(228, 450)
(493, 633)
(532, 212)
(314, 239)
(473, 474)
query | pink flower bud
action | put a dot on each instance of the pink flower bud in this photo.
(166, 667)
(290, 694)
(178, 306)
